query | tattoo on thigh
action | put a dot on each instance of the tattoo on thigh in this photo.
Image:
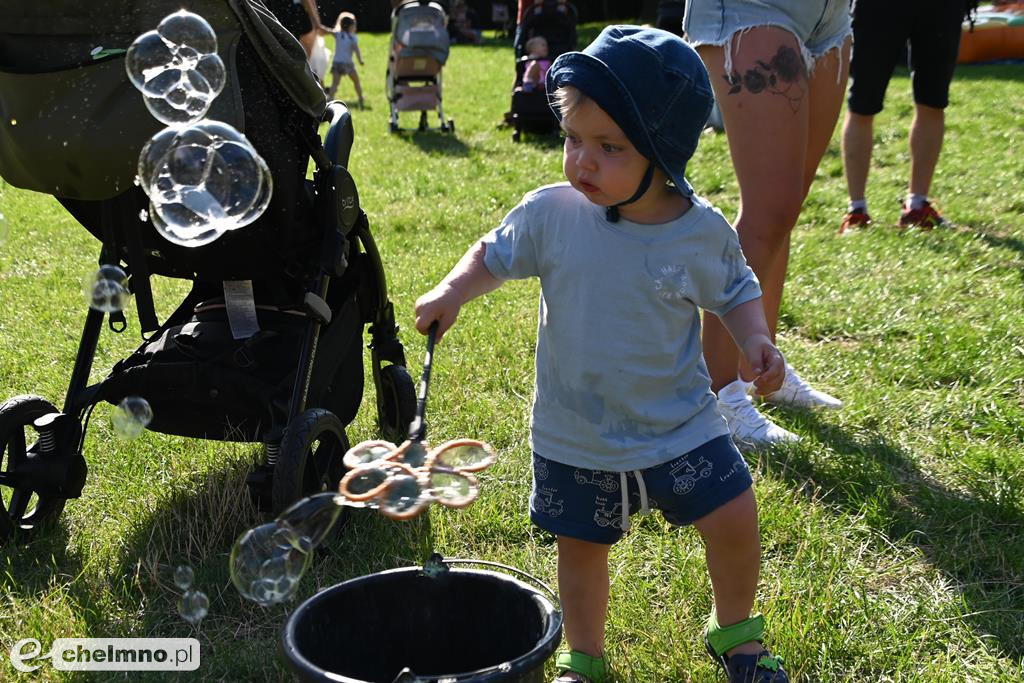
(785, 75)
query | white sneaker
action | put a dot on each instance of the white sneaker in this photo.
(749, 428)
(799, 394)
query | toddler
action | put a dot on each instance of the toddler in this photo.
(623, 414)
(537, 67)
(345, 46)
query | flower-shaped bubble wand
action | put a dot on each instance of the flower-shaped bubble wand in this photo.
(401, 481)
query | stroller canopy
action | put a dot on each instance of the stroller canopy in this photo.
(420, 28)
(62, 71)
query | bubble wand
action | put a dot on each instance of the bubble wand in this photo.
(401, 481)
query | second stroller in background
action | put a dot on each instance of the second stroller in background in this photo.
(548, 29)
(418, 52)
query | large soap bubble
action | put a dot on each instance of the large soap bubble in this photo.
(202, 180)
(107, 289)
(267, 562)
(177, 68)
(131, 417)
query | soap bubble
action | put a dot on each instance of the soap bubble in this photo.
(404, 497)
(5, 229)
(367, 452)
(131, 416)
(177, 68)
(193, 606)
(311, 519)
(202, 180)
(107, 290)
(413, 453)
(264, 569)
(183, 577)
(466, 455)
(451, 488)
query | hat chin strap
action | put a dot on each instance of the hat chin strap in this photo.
(612, 212)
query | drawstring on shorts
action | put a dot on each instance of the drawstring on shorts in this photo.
(645, 508)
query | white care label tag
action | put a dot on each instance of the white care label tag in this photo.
(241, 308)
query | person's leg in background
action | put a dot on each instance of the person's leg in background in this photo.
(934, 42)
(883, 30)
(777, 134)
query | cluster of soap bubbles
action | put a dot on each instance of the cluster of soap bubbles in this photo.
(267, 561)
(177, 68)
(131, 417)
(107, 289)
(193, 605)
(203, 180)
(202, 177)
(401, 481)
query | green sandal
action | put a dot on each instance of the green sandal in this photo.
(761, 668)
(592, 669)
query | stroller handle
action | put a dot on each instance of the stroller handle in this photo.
(340, 133)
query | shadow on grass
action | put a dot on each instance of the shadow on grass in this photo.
(972, 538)
(195, 524)
(433, 141)
(992, 71)
(1002, 241)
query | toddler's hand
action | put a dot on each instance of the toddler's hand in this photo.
(766, 362)
(442, 304)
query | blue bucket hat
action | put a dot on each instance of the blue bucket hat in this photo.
(652, 84)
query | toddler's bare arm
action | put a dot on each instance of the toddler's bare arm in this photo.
(749, 329)
(467, 280)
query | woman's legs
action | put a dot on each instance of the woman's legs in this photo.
(777, 133)
(583, 590)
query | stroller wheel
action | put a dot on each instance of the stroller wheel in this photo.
(451, 125)
(22, 509)
(310, 457)
(516, 136)
(393, 127)
(423, 121)
(396, 403)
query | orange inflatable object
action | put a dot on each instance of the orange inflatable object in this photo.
(998, 34)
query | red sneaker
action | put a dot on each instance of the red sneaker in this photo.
(924, 218)
(854, 220)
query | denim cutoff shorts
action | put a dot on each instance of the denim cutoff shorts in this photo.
(595, 505)
(818, 25)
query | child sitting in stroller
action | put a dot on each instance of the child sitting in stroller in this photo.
(537, 66)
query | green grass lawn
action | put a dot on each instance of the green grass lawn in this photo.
(893, 533)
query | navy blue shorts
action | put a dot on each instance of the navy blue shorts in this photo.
(587, 504)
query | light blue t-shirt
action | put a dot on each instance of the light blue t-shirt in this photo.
(344, 44)
(621, 382)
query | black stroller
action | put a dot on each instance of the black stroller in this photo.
(315, 273)
(555, 21)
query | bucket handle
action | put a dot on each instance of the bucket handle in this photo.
(530, 577)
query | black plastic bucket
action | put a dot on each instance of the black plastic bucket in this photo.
(438, 624)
